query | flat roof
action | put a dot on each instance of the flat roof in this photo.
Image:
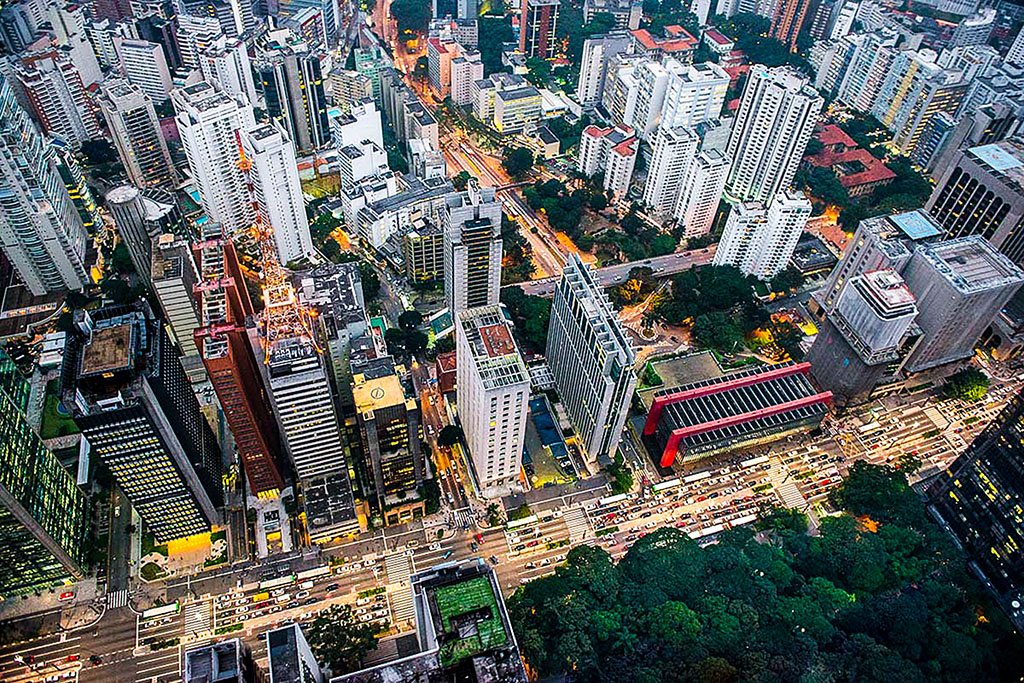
(497, 340)
(376, 393)
(916, 225)
(109, 350)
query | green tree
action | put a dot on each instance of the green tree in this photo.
(539, 71)
(530, 315)
(339, 640)
(787, 280)
(517, 161)
(449, 436)
(410, 319)
(411, 16)
(460, 180)
(717, 330)
(967, 384)
(493, 515)
(370, 280)
(395, 339)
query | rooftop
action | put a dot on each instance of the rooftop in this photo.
(1005, 160)
(676, 39)
(497, 340)
(377, 393)
(971, 264)
(109, 350)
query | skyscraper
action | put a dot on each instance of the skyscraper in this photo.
(702, 192)
(70, 172)
(695, 93)
(145, 65)
(760, 241)
(774, 123)
(209, 123)
(674, 150)
(538, 24)
(293, 88)
(223, 345)
(494, 392)
(471, 221)
(226, 65)
(40, 231)
(788, 20)
(135, 129)
(978, 501)
(275, 180)
(591, 360)
(612, 151)
(597, 54)
(127, 392)
(140, 219)
(43, 514)
(173, 274)
(57, 96)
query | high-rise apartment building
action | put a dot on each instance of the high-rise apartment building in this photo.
(275, 182)
(494, 393)
(695, 93)
(538, 26)
(650, 83)
(789, 20)
(41, 232)
(135, 129)
(226, 65)
(981, 192)
(598, 52)
(701, 193)
(223, 345)
(612, 151)
(860, 68)
(471, 221)
(43, 514)
(195, 35)
(591, 361)
(674, 150)
(293, 89)
(57, 97)
(466, 69)
(348, 88)
(978, 501)
(127, 392)
(145, 65)
(209, 123)
(773, 125)
(760, 241)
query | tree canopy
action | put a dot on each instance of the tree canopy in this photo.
(967, 384)
(880, 600)
(412, 16)
(339, 640)
(449, 435)
(530, 315)
(705, 290)
(517, 161)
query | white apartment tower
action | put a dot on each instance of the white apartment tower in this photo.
(650, 80)
(54, 90)
(674, 149)
(466, 69)
(471, 221)
(611, 150)
(760, 242)
(209, 122)
(702, 192)
(132, 122)
(145, 65)
(695, 93)
(275, 181)
(41, 233)
(226, 65)
(597, 54)
(591, 361)
(493, 401)
(774, 123)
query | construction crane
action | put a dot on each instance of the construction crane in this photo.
(283, 316)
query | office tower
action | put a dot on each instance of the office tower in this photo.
(135, 129)
(127, 392)
(69, 22)
(466, 9)
(975, 29)
(960, 285)
(612, 151)
(70, 172)
(788, 20)
(471, 221)
(346, 88)
(50, 254)
(701, 193)
(760, 241)
(43, 514)
(774, 123)
(293, 90)
(674, 150)
(370, 62)
(861, 68)
(140, 218)
(914, 91)
(173, 274)
(983, 125)
(57, 97)
(515, 109)
(538, 26)
(196, 35)
(289, 657)
(221, 10)
(982, 193)
(209, 123)
(591, 361)
(145, 65)
(978, 501)
(597, 55)
(1015, 55)
(154, 28)
(223, 345)
(494, 392)
(423, 253)
(275, 181)
(863, 335)
(695, 93)
(650, 80)
(114, 10)
(226, 66)
(466, 69)
(389, 424)
(227, 661)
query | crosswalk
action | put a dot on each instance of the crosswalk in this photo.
(462, 517)
(578, 524)
(399, 571)
(117, 599)
(198, 617)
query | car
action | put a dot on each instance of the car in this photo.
(71, 658)
(66, 595)
(95, 660)
(493, 559)
(302, 594)
(331, 587)
(311, 600)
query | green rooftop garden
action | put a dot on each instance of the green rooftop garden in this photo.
(462, 599)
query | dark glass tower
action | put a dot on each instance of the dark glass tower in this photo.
(43, 521)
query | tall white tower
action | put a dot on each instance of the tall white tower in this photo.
(774, 123)
(702, 192)
(275, 177)
(209, 123)
(226, 65)
(132, 122)
(760, 241)
(674, 149)
(472, 248)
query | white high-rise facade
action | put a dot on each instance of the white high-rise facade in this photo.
(702, 192)
(493, 397)
(466, 70)
(611, 150)
(225, 64)
(135, 129)
(41, 233)
(651, 83)
(145, 65)
(57, 96)
(674, 149)
(275, 181)
(1015, 55)
(471, 221)
(761, 241)
(208, 122)
(695, 93)
(774, 123)
(591, 361)
(598, 52)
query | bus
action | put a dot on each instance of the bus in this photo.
(274, 583)
(311, 573)
(611, 500)
(260, 597)
(532, 519)
(754, 461)
(869, 427)
(666, 485)
(696, 477)
(160, 611)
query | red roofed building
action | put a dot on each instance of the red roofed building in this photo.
(677, 42)
(718, 42)
(612, 150)
(445, 367)
(858, 171)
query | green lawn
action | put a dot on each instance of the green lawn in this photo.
(55, 423)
